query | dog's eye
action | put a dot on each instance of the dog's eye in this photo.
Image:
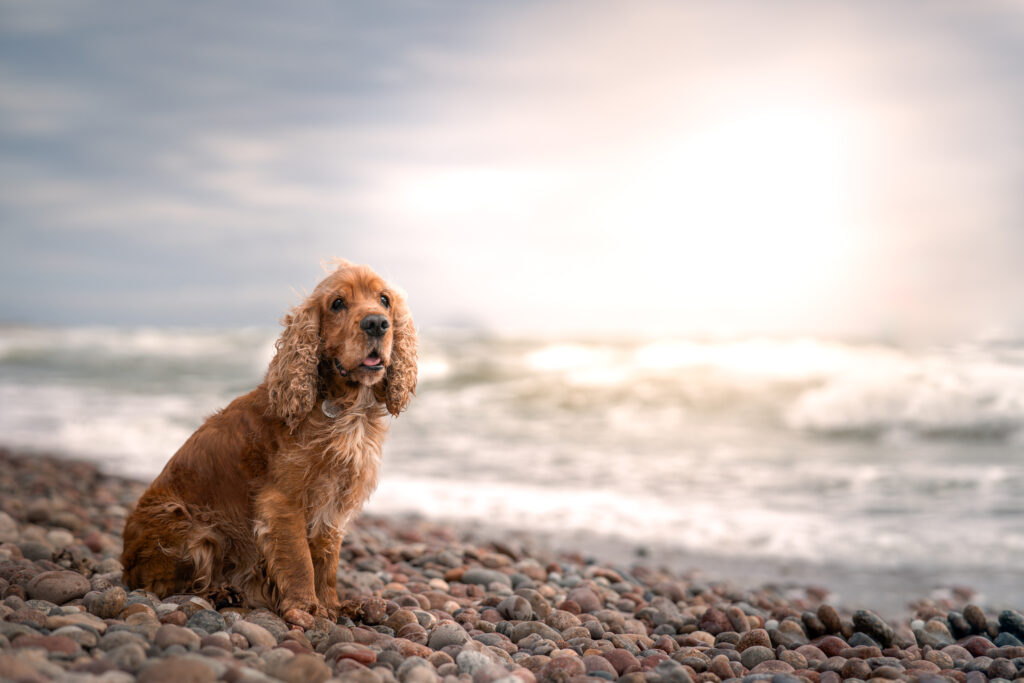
(385, 301)
(337, 304)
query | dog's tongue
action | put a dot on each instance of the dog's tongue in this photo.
(371, 360)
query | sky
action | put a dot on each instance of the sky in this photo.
(562, 168)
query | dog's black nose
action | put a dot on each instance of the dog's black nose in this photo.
(374, 325)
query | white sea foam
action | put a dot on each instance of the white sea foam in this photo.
(737, 447)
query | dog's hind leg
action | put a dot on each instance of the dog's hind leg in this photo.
(169, 548)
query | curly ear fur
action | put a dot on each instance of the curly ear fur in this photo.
(400, 382)
(292, 379)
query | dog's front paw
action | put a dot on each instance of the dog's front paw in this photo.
(299, 612)
(330, 608)
(298, 617)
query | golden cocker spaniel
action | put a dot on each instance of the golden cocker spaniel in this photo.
(255, 504)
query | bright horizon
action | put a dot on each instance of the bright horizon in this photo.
(567, 169)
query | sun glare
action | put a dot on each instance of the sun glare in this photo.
(760, 198)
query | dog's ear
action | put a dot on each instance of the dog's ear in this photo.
(400, 382)
(292, 379)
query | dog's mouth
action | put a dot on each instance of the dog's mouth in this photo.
(373, 362)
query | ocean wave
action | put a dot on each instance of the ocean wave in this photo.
(726, 446)
(934, 397)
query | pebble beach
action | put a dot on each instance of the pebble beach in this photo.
(426, 602)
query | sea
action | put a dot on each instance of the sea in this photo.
(886, 473)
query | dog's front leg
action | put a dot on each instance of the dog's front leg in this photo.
(281, 535)
(325, 549)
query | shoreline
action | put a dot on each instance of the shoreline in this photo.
(427, 601)
(888, 591)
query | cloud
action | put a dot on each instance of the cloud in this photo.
(531, 166)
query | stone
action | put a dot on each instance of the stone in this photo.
(813, 626)
(721, 667)
(977, 645)
(58, 587)
(812, 653)
(560, 620)
(54, 645)
(861, 639)
(270, 621)
(831, 645)
(623, 660)
(168, 635)
(106, 604)
(36, 550)
(856, 668)
(562, 669)
(596, 663)
(755, 636)
(714, 621)
(469, 662)
(737, 618)
(975, 618)
(1012, 621)
(17, 669)
(866, 621)
(527, 628)
(255, 634)
(408, 670)
(85, 638)
(772, 666)
(933, 637)
(793, 658)
(301, 669)
(400, 618)
(446, 634)
(207, 620)
(830, 619)
(485, 577)
(958, 625)
(128, 657)
(755, 654)
(515, 608)
(178, 669)
(585, 598)
(540, 606)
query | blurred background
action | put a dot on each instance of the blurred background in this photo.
(735, 285)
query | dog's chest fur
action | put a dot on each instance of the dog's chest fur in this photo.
(339, 462)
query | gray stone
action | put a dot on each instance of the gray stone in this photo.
(447, 634)
(755, 654)
(255, 634)
(870, 623)
(58, 587)
(515, 607)
(181, 669)
(107, 604)
(415, 669)
(301, 669)
(527, 628)
(485, 577)
(1011, 621)
(115, 639)
(36, 550)
(169, 634)
(469, 662)
(129, 657)
(208, 620)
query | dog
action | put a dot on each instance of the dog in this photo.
(252, 509)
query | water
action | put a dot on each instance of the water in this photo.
(867, 457)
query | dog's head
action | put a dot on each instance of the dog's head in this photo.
(354, 327)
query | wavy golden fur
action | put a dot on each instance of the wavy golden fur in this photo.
(254, 505)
